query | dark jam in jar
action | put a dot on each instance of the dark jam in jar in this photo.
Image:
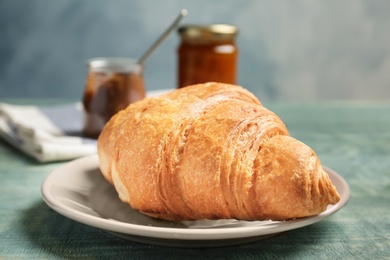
(207, 53)
(111, 85)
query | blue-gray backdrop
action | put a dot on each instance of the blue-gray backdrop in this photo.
(298, 50)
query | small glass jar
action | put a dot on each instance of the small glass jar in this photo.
(111, 85)
(207, 53)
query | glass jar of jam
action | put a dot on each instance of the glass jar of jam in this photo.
(111, 85)
(207, 53)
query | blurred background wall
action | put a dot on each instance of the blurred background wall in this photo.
(299, 50)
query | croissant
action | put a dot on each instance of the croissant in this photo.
(211, 151)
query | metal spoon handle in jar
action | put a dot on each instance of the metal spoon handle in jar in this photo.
(182, 13)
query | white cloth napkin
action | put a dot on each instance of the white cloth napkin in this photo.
(48, 133)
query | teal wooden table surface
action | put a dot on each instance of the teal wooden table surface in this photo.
(351, 138)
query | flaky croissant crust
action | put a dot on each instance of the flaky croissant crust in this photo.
(211, 151)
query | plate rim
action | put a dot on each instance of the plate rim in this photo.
(213, 233)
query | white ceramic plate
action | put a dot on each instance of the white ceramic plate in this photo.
(78, 191)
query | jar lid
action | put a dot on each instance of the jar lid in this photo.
(212, 31)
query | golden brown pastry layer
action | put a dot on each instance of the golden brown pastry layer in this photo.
(211, 151)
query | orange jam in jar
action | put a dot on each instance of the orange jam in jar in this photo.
(207, 53)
